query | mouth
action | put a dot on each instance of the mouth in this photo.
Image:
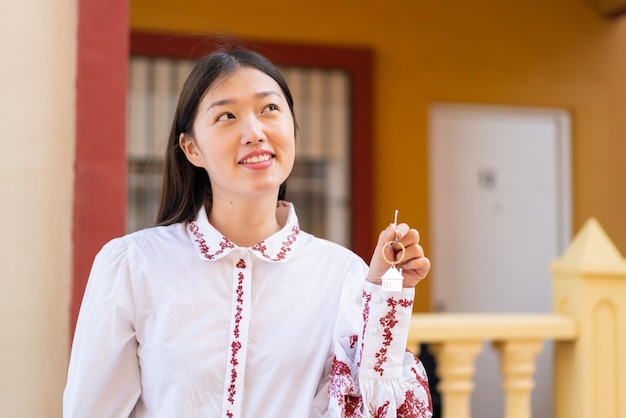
(257, 159)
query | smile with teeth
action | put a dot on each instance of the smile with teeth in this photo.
(256, 159)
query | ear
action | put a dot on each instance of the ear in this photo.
(189, 147)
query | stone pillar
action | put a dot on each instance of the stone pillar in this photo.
(456, 364)
(517, 363)
(37, 108)
(589, 283)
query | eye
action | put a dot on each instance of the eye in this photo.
(224, 116)
(272, 107)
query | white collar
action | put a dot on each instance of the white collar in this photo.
(212, 245)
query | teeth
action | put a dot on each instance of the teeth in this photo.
(257, 159)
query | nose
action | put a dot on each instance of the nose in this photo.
(252, 131)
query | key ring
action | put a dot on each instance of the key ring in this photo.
(388, 243)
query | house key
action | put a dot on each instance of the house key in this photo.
(392, 279)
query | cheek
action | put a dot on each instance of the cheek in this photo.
(215, 156)
(288, 133)
(289, 148)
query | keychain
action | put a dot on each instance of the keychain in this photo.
(392, 279)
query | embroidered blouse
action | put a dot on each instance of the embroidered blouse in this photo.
(178, 321)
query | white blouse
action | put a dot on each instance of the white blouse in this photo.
(177, 321)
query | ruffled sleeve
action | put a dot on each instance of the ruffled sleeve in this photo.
(372, 373)
(103, 375)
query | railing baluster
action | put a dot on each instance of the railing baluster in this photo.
(517, 363)
(455, 368)
(456, 340)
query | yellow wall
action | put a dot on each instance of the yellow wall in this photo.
(534, 52)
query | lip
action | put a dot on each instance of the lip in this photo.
(258, 165)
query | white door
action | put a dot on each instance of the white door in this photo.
(499, 196)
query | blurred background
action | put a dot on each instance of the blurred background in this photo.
(88, 93)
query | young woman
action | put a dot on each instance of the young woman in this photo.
(227, 308)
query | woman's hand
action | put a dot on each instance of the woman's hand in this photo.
(414, 265)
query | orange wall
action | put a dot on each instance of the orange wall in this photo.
(533, 52)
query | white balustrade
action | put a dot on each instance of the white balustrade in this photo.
(588, 327)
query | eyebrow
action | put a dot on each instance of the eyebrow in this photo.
(259, 95)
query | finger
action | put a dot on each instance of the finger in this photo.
(415, 264)
(401, 230)
(409, 236)
(415, 251)
(405, 248)
(386, 235)
(411, 252)
(384, 248)
(417, 268)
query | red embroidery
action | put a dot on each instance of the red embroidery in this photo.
(382, 411)
(367, 297)
(204, 248)
(284, 249)
(238, 317)
(241, 264)
(388, 322)
(422, 378)
(236, 344)
(413, 407)
(235, 347)
(240, 278)
(352, 405)
(239, 308)
(342, 389)
(405, 303)
(353, 340)
(340, 378)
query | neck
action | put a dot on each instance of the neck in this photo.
(245, 222)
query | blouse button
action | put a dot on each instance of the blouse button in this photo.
(373, 330)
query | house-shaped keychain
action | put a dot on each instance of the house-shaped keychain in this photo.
(392, 280)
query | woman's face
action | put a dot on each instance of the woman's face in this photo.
(243, 135)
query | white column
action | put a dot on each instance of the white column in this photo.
(37, 110)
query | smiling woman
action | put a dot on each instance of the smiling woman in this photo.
(320, 181)
(333, 90)
(244, 137)
(228, 308)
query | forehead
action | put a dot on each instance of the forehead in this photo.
(243, 80)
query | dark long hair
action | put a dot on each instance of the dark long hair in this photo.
(187, 187)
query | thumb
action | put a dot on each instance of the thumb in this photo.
(378, 264)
